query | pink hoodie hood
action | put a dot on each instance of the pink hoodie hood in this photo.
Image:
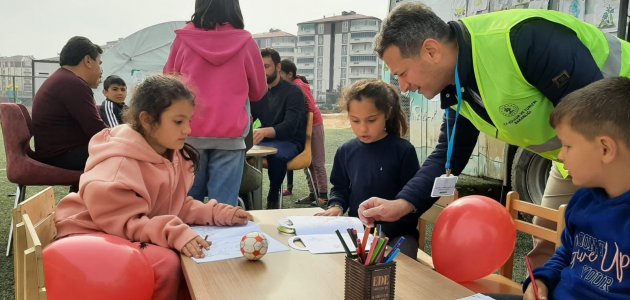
(205, 42)
(224, 69)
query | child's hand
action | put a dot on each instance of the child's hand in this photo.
(542, 291)
(195, 247)
(333, 211)
(241, 217)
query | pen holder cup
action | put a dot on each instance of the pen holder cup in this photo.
(374, 282)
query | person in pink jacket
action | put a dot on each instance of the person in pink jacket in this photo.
(288, 72)
(136, 181)
(221, 62)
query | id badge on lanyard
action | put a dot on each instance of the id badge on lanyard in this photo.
(445, 184)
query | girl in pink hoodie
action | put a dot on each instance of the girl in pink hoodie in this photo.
(221, 62)
(136, 180)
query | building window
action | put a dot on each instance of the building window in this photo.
(320, 62)
(305, 60)
(319, 84)
(319, 72)
(358, 35)
(362, 58)
(267, 42)
(320, 28)
(320, 40)
(343, 72)
(320, 50)
(306, 28)
(344, 38)
(344, 26)
(343, 83)
(308, 38)
(344, 50)
(344, 61)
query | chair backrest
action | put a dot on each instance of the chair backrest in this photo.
(303, 160)
(514, 207)
(34, 229)
(16, 134)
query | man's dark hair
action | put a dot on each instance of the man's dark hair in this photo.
(270, 52)
(113, 79)
(76, 49)
(212, 13)
(600, 108)
(407, 27)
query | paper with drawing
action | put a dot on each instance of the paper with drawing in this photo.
(317, 233)
(226, 241)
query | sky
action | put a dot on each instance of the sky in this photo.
(41, 28)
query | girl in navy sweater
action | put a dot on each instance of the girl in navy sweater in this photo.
(378, 162)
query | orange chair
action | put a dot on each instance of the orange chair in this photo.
(22, 169)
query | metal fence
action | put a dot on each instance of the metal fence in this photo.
(19, 88)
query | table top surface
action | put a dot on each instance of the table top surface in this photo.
(260, 151)
(300, 275)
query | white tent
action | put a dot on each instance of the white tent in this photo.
(139, 55)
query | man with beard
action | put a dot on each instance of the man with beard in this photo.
(282, 115)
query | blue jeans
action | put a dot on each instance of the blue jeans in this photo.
(219, 175)
(277, 165)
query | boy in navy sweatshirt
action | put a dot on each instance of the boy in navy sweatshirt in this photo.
(594, 259)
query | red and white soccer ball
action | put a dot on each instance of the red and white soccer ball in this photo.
(254, 245)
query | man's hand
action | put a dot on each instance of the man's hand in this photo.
(262, 133)
(378, 209)
(542, 291)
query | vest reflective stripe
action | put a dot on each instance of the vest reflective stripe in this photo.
(551, 145)
(612, 67)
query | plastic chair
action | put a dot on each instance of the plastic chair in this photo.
(303, 160)
(501, 283)
(21, 168)
(34, 221)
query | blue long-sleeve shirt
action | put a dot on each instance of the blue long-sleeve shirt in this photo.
(543, 51)
(378, 169)
(594, 259)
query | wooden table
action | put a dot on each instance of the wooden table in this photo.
(258, 153)
(301, 275)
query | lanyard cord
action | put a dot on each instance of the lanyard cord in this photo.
(450, 136)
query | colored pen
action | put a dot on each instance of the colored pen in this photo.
(352, 237)
(359, 251)
(343, 243)
(531, 276)
(372, 250)
(396, 246)
(393, 256)
(381, 254)
(366, 236)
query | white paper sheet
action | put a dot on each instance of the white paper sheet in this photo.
(226, 241)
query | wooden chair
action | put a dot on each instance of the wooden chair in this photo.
(501, 282)
(303, 160)
(22, 169)
(34, 228)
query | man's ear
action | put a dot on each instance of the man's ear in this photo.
(608, 147)
(432, 49)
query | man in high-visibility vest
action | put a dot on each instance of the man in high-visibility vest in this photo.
(511, 69)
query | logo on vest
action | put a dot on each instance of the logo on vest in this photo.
(508, 110)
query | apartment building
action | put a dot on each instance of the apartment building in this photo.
(281, 41)
(336, 51)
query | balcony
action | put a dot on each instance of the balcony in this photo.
(283, 44)
(362, 63)
(364, 27)
(306, 43)
(362, 40)
(368, 51)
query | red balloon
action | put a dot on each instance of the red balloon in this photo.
(473, 237)
(96, 266)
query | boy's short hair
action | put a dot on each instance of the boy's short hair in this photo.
(600, 108)
(113, 79)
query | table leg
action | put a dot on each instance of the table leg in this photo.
(258, 192)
